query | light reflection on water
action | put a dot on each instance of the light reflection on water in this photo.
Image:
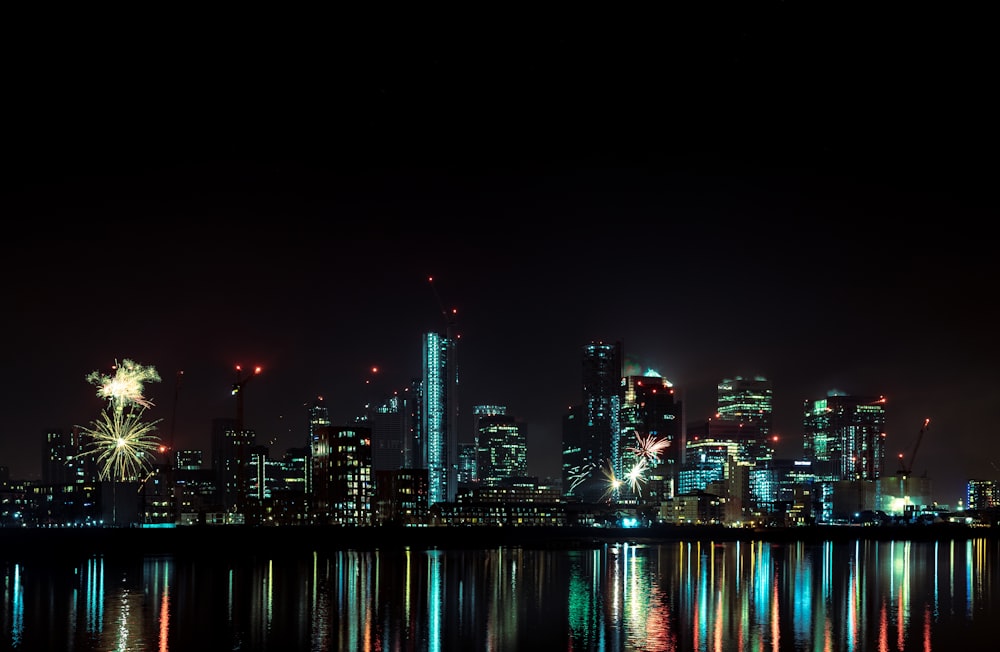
(745, 596)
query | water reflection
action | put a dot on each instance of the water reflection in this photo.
(751, 596)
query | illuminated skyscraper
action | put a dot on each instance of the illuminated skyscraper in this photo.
(592, 439)
(479, 412)
(650, 411)
(501, 451)
(846, 435)
(748, 401)
(440, 416)
(342, 475)
(319, 416)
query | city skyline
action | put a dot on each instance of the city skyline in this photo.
(808, 204)
(787, 447)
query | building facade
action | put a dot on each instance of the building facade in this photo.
(502, 451)
(846, 435)
(440, 416)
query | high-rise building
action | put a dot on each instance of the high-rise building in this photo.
(982, 495)
(598, 448)
(61, 459)
(575, 468)
(342, 475)
(231, 448)
(319, 417)
(440, 416)
(389, 421)
(735, 448)
(749, 401)
(187, 460)
(467, 453)
(501, 451)
(652, 434)
(478, 412)
(413, 438)
(845, 435)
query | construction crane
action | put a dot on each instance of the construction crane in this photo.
(238, 387)
(449, 316)
(169, 447)
(905, 469)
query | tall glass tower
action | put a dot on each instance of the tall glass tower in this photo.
(749, 401)
(600, 435)
(846, 434)
(440, 416)
(319, 417)
(502, 450)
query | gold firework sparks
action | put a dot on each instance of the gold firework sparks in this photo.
(122, 443)
(124, 386)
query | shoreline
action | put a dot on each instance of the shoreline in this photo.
(230, 540)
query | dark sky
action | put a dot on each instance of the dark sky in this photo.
(802, 196)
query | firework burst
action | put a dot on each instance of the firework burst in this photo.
(120, 440)
(125, 386)
(122, 443)
(613, 483)
(649, 447)
(635, 475)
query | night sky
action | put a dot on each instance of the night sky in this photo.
(802, 197)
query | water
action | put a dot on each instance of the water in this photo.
(744, 596)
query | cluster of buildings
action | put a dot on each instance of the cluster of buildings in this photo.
(629, 455)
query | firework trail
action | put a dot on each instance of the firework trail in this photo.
(646, 451)
(578, 474)
(119, 439)
(649, 447)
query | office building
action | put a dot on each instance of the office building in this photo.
(231, 446)
(592, 453)
(652, 436)
(749, 401)
(502, 451)
(440, 416)
(342, 475)
(848, 433)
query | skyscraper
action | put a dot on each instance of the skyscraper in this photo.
(651, 412)
(846, 435)
(231, 446)
(389, 422)
(319, 416)
(342, 474)
(501, 450)
(747, 400)
(599, 441)
(440, 416)
(480, 412)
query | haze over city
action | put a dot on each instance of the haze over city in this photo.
(779, 205)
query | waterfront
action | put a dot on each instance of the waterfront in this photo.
(865, 594)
